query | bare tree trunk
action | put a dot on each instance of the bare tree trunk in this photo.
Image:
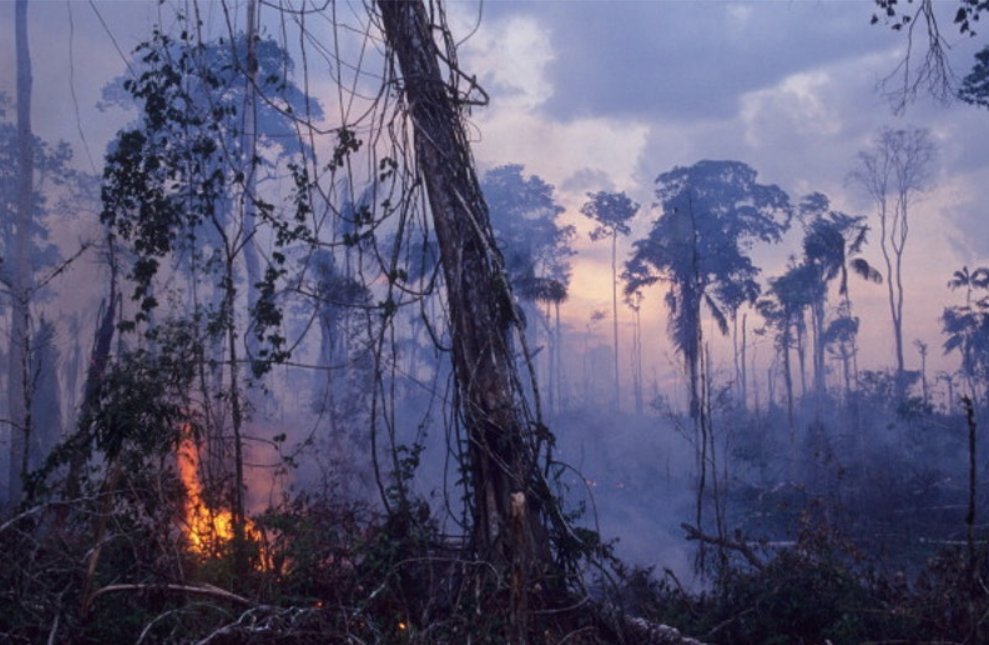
(846, 370)
(249, 146)
(507, 509)
(923, 371)
(770, 389)
(802, 354)
(820, 375)
(735, 352)
(551, 362)
(236, 413)
(18, 391)
(755, 383)
(788, 382)
(614, 311)
(558, 379)
(637, 358)
(744, 370)
(902, 158)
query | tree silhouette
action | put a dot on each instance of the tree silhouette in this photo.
(783, 308)
(897, 167)
(831, 241)
(967, 329)
(634, 302)
(523, 215)
(536, 249)
(930, 71)
(713, 212)
(975, 86)
(36, 179)
(612, 212)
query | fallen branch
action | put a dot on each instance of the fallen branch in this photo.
(60, 503)
(650, 633)
(204, 590)
(738, 544)
(642, 631)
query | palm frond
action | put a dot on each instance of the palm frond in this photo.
(865, 270)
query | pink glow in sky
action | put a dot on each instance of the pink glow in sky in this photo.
(602, 95)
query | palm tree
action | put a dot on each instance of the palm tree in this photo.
(713, 212)
(967, 327)
(831, 241)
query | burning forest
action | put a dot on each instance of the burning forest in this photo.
(418, 322)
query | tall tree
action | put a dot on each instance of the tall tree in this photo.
(536, 248)
(832, 240)
(249, 162)
(713, 212)
(612, 212)
(634, 302)
(893, 172)
(21, 278)
(508, 500)
(524, 213)
(783, 310)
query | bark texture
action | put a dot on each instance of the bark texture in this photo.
(507, 502)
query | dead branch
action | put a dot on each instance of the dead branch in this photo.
(203, 590)
(735, 545)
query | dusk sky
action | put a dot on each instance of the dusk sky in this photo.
(595, 95)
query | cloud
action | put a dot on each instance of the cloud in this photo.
(645, 59)
(510, 57)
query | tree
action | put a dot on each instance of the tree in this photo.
(20, 277)
(523, 215)
(612, 212)
(634, 302)
(26, 163)
(249, 162)
(897, 168)
(975, 86)
(509, 500)
(713, 212)
(922, 350)
(831, 241)
(967, 329)
(340, 387)
(783, 310)
(931, 72)
(537, 250)
(179, 188)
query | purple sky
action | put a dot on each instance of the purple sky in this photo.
(597, 95)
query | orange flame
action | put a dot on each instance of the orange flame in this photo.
(208, 530)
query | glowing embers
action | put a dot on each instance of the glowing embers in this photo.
(210, 532)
